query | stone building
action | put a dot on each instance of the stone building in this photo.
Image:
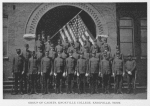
(124, 23)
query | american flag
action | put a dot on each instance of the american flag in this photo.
(76, 28)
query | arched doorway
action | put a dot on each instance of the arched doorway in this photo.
(57, 17)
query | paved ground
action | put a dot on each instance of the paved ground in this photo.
(141, 94)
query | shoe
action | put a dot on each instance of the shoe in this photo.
(36, 93)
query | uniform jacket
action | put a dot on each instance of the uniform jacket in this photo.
(70, 48)
(18, 63)
(82, 66)
(66, 45)
(109, 56)
(98, 55)
(38, 44)
(26, 54)
(86, 55)
(130, 65)
(58, 48)
(118, 66)
(99, 44)
(70, 65)
(88, 44)
(94, 47)
(94, 65)
(52, 54)
(33, 66)
(64, 55)
(105, 66)
(47, 46)
(59, 65)
(103, 47)
(82, 49)
(77, 45)
(46, 65)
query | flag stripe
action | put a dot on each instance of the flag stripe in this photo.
(65, 31)
(62, 34)
(86, 33)
(70, 32)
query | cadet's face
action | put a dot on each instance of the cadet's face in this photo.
(46, 53)
(70, 54)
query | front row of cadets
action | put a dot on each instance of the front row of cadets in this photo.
(77, 67)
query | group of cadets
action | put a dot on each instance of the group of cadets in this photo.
(69, 64)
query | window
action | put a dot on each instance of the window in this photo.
(5, 30)
(143, 33)
(126, 36)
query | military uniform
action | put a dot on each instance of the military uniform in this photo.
(118, 71)
(82, 69)
(77, 45)
(99, 43)
(17, 69)
(106, 73)
(94, 48)
(130, 67)
(26, 54)
(33, 75)
(66, 45)
(47, 46)
(94, 69)
(71, 48)
(88, 44)
(46, 70)
(70, 69)
(105, 46)
(52, 54)
(59, 69)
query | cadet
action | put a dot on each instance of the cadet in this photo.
(82, 49)
(33, 74)
(130, 67)
(81, 71)
(17, 70)
(39, 44)
(99, 42)
(77, 44)
(105, 45)
(94, 69)
(121, 55)
(71, 48)
(46, 72)
(59, 46)
(66, 44)
(39, 56)
(106, 72)
(94, 46)
(88, 43)
(98, 54)
(58, 72)
(70, 70)
(118, 72)
(52, 53)
(48, 45)
(26, 54)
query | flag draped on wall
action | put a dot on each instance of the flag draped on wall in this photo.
(76, 28)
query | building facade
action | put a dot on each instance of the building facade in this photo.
(125, 24)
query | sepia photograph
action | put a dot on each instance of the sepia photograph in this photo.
(74, 50)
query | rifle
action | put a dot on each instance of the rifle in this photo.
(135, 83)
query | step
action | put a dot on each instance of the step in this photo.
(8, 82)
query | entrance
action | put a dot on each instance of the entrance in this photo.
(53, 20)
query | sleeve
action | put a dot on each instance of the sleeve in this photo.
(41, 65)
(123, 66)
(55, 66)
(101, 63)
(89, 66)
(66, 65)
(113, 66)
(99, 66)
(134, 66)
(28, 66)
(78, 66)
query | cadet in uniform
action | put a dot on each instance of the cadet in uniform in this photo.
(106, 72)
(17, 70)
(77, 44)
(121, 55)
(59, 46)
(52, 53)
(39, 44)
(130, 67)
(26, 54)
(70, 70)
(99, 42)
(58, 72)
(83, 47)
(33, 74)
(48, 45)
(105, 45)
(46, 72)
(81, 71)
(71, 48)
(118, 72)
(88, 43)
(94, 69)
(94, 46)
(66, 44)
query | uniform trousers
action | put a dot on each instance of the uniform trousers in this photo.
(118, 81)
(32, 83)
(81, 82)
(70, 82)
(106, 81)
(94, 82)
(45, 82)
(59, 80)
(130, 81)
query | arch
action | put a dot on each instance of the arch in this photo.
(37, 14)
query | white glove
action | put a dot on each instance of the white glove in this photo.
(22, 72)
(55, 74)
(64, 74)
(99, 73)
(41, 73)
(77, 74)
(86, 74)
(113, 74)
(129, 73)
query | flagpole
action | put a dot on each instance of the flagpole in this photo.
(65, 24)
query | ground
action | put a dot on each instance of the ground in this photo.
(140, 94)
